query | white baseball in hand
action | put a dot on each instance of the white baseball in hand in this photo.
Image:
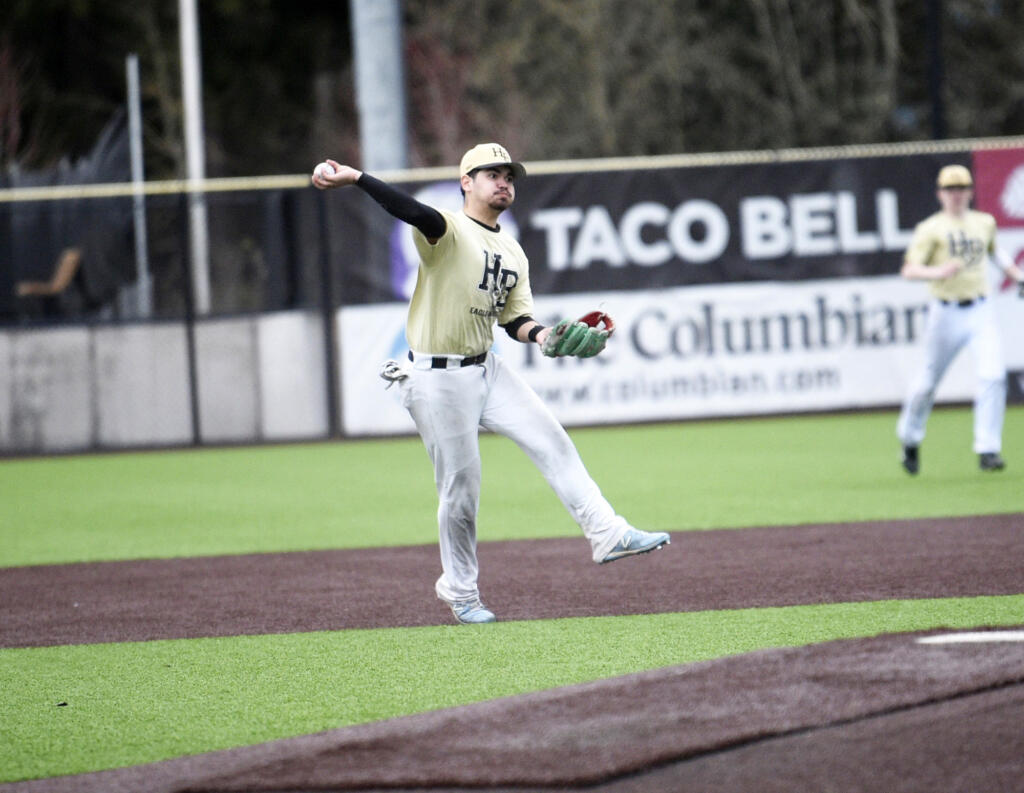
(324, 169)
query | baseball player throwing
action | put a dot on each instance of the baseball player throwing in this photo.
(950, 250)
(473, 275)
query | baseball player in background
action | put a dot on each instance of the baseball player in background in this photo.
(473, 275)
(950, 250)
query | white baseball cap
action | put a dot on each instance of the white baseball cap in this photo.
(489, 155)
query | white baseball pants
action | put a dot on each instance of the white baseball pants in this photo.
(449, 407)
(949, 329)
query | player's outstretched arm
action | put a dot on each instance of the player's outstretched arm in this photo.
(396, 203)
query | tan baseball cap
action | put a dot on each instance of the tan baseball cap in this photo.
(954, 176)
(489, 155)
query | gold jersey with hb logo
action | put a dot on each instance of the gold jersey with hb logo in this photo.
(942, 237)
(470, 278)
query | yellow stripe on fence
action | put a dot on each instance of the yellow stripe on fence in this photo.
(292, 181)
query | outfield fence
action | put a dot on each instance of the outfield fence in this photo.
(743, 283)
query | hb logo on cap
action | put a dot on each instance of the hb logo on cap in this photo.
(489, 155)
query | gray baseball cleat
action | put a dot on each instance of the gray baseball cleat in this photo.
(472, 612)
(991, 461)
(635, 542)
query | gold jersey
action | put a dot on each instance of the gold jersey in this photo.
(942, 237)
(470, 278)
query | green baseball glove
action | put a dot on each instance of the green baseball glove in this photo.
(582, 338)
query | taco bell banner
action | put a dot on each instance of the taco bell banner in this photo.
(656, 228)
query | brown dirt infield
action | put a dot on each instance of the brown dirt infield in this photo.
(879, 714)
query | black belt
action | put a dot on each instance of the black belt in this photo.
(441, 362)
(963, 303)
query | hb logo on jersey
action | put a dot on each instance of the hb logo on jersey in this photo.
(966, 248)
(497, 280)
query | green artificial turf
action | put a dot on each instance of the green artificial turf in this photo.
(79, 708)
(139, 702)
(676, 477)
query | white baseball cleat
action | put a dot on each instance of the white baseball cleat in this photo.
(635, 542)
(472, 612)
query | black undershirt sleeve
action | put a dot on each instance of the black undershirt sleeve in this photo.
(404, 207)
(512, 328)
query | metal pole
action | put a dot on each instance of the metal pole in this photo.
(191, 352)
(380, 83)
(936, 77)
(143, 287)
(194, 154)
(327, 312)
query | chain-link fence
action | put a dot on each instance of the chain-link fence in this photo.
(104, 344)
